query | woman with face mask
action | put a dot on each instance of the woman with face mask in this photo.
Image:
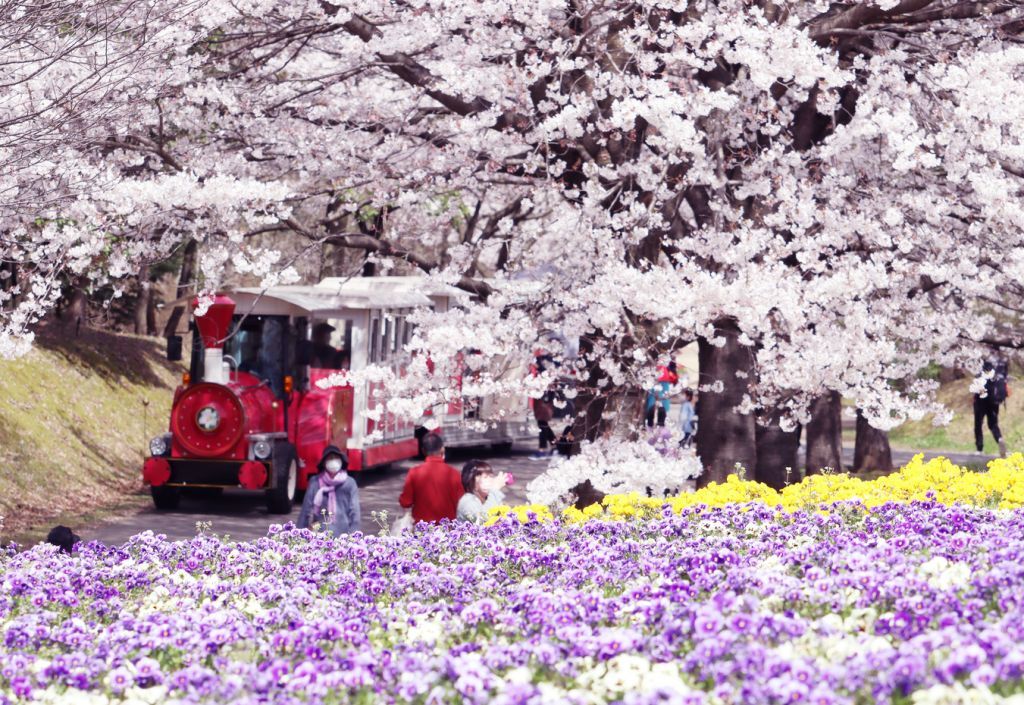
(332, 498)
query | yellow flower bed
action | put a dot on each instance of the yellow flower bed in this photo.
(1001, 486)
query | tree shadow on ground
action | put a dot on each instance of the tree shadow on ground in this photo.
(117, 357)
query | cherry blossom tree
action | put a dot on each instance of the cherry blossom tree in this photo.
(822, 196)
(88, 191)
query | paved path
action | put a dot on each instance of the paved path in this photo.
(243, 516)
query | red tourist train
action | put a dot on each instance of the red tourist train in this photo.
(249, 413)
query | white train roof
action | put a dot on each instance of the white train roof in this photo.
(335, 295)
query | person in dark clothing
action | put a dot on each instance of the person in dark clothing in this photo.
(995, 375)
(543, 412)
(544, 408)
(63, 537)
(325, 355)
(566, 442)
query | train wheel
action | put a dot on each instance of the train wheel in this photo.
(286, 477)
(165, 498)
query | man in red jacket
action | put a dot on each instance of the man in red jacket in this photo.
(432, 489)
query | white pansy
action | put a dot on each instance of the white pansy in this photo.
(943, 574)
(959, 694)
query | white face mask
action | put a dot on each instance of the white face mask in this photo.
(333, 465)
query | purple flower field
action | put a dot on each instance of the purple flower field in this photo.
(916, 603)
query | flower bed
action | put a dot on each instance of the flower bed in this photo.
(918, 602)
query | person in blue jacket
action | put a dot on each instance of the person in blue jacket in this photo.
(332, 498)
(687, 416)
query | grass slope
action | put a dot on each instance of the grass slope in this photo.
(73, 425)
(959, 434)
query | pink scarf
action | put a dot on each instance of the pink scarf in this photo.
(327, 486)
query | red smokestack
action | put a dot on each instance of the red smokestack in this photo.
(215, 324)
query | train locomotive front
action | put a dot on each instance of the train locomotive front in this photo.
(229, 428)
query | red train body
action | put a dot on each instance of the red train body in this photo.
(249, 413)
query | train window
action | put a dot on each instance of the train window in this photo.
(244, 346)
(385, 342)
(399, 333)
(374, 339)
(332, 344)
(257, 348)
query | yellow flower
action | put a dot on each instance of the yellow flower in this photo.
(938, 479)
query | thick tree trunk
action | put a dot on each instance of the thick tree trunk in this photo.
(142, 302)
(590, 402)
(825, 434)
(872, 451)
(725, 437)
(777, 453)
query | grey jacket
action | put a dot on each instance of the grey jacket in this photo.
(347, 518)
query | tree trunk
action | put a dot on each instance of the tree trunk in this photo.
(186, 279)
(871, 451)
(142, 302)
(151, 315)
(725, 437)
(777, 453)
(825, 434)
(76, 309)
(590, 399)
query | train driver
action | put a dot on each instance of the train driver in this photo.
(325, 355)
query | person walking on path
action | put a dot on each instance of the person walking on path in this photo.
(484, 489)
(432, 489)
(686, 416)
(994, 376)
(332, 497)
(544, 408)
(658, 395)
(543, 412)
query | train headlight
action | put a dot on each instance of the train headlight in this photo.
(261, 449)
(208, 419)
(158, 446)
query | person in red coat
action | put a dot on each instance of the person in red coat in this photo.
(432, 489)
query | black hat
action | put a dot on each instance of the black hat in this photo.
(329, 451)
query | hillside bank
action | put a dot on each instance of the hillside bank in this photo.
(76, 415)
